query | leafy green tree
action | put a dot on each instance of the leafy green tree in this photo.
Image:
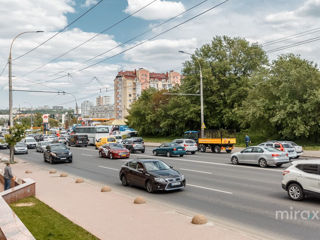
(17, 133)
(285, 101)
(53, 122)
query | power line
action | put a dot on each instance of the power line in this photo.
(88, 40)
(56, 34)
(4, 68)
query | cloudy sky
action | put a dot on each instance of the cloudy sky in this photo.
(81, 53)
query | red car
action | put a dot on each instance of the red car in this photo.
(113, 150)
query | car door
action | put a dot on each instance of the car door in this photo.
(310, 179)
(131, 171)
(257, 153)
(139, 175)
(160, 150)
(245, 155)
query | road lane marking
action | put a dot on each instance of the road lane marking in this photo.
(210, 189)
(191, 170)
(218, 164)
(114, 169)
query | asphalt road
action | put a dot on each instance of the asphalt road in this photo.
(243, 195)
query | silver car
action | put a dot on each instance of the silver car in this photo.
(20, 148)
(262, 156)
(41, 146)
(299, 149)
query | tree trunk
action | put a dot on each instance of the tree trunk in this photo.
(11, 154)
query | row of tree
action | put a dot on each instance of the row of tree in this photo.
(243, 91)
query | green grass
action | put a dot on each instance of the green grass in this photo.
(47, 224)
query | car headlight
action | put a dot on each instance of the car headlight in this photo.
(160, 180)
(70, 153)
(182, 177)
(53, 154)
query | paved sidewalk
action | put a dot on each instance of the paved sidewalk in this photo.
(112, 215)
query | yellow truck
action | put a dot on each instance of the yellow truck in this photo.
(217, 141)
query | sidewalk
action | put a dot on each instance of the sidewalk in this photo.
(112, 215)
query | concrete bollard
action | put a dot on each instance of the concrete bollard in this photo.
(79, 180)
(52, 171)
(199, 219)
(63, 175)
(106, 189)
(139, 200)
(28, 171)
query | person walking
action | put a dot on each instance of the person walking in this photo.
(247, 140)
(7, 176)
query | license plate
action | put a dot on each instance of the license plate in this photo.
(123, 155)
(175, 184)
(63, 158)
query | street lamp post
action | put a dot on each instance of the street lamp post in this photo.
(201, 95)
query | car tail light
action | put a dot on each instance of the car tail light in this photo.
(287, 154)
(285, 172)
(275, 155)
(185, 145)
(174, 149)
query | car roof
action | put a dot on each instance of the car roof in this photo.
(313, 161)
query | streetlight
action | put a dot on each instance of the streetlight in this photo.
(10, 75)
(201, 94)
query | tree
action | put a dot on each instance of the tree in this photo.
(286, 100)
(17, 133)
(53, 122)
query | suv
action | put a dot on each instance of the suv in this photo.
(134, 144)
(301, 179)
(282, 146)
(78, 140)
(189, 144)
(30, 142)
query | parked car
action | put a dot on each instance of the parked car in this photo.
(3, 144)
(20, 148)
(189, 144)
(151, 174)
(299, 149)
(41, 146)
(262, 156)
(113, 150)
(282, 146)
(62, 140)
(105, 140)
(78, 140)
(57, 152)
(134, 144)
(302, 179)
(30, 142)
(169, 150)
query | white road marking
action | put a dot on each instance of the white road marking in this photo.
(210, 189)
(191, 170)
(114, 169)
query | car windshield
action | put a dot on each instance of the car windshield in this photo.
(293, 144)
(58, 147)
(155, 166)
(102, 129)
(20, 144)
(286, 145)
(174, 145)
(111, 139)
(272, 149)
(30, 140)
(115, 145)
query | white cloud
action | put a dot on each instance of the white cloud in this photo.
(88, 3)
(157, 10)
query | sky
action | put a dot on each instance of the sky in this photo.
(80, 53)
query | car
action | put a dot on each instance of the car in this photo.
(299, 149)
(41, 146)
(3, 144)
(20, 148)
(57, 152)
(105, 140)
(282, 146)
(30, 142)
(78, 140)
(301, 179)
(113, 150)
(169, 150)
(62, 140)
(189, 144)
(134, 144)
(262, 156)
(151, 174)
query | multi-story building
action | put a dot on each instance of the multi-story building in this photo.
(103, 100)
(86, 107)
(104, 111)
(58, 108)
(129, 84)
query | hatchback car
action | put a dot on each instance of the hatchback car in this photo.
(299, 149)
(113, 150)
(262, 156)
(30, 142)
(302, 178)
(169, 150)
(189, 144)
(105, 140)
(134, 144)
(20, 148)
(57, 152)
(151, 174)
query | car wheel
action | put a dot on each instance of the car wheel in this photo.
(168, 154)
(263, 163)
(149, 187)
(181, 155)
(279, 165)
(124, 180)
(234, 160)
(155, 153)
(203, 148)
(217, 149)
(142, 151)
(295, 192)
(228, 151)
(110, 156)
(193, 152)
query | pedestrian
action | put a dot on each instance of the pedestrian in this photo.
(7, 176)
(247, 140)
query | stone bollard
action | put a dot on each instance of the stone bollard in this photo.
(28, 171)
(63, 175)
(106, 189)
(52, 171)
(79, 180)
(139, 200)
(199, 219)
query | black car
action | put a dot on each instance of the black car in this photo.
(134, 144)
(151, 174)
(78, 140)
(57, 152)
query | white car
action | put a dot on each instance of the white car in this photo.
(189, 144)
(301, 179)
(282, 146)
(299, 149)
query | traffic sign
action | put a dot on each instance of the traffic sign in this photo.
(45, 118)
(203, 126)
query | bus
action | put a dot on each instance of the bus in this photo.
(94, 132)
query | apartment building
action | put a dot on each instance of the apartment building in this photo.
(86, 107)
(103, 100)
(128, 86)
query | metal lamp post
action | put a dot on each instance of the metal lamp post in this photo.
(201, 95)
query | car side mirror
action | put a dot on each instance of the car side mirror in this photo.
(170, 166)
